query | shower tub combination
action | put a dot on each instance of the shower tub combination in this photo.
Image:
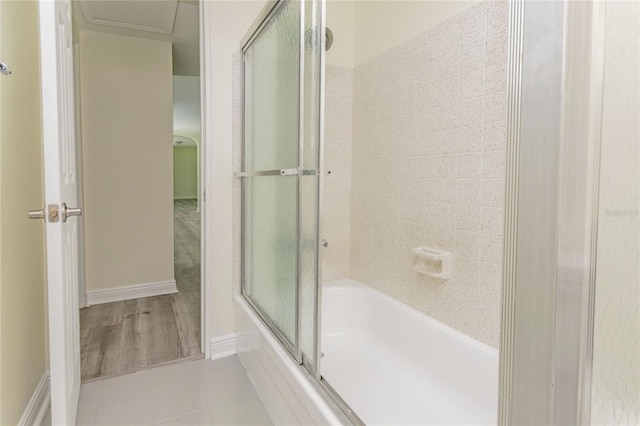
(389, 362)
(333, 352)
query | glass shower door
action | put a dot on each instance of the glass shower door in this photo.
(281, 72)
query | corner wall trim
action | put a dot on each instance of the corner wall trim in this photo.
(223, 346)
(38, 405)
(128, 292)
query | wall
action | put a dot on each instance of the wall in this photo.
(185, 173)
(228, 22)
(23, 349)
(359, 34)
(336, 209)
(429, 134)
(127, 127)
(616, 365)
(381, 25)
(340, 19)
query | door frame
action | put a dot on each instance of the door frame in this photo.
(205, 177)
(551, 211)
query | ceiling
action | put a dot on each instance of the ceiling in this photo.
(175, 21)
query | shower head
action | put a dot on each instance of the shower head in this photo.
(328, 39)
(311, 38)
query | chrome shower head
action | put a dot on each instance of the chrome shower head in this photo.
(328, 39)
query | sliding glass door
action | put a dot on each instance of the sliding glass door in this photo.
(281, 179)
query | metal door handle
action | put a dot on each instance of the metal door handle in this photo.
(4, 69)
(324, 243)
(65, 212)
(276, 172)
(36, 214)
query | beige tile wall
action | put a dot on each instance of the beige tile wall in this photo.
(429, 134)
(336, 212)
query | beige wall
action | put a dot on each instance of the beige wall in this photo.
(340, 19)
(381, 25)
(23, 358)
(127, 128)
(228, 21)
(365, 29)
(185, 173)
(616, 358)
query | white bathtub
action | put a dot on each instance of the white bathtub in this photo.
(392, 364)
(396, 366)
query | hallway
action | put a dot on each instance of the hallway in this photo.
(123, 337)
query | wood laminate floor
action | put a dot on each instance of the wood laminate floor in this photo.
(132, 335)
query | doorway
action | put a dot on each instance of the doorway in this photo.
(142, 267)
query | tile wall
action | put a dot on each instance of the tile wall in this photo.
(616, 345)
(336, 212)
(428, 158)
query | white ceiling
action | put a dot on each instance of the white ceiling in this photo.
(176, 21)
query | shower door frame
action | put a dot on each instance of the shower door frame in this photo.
(557, 390)
(253, 33)
(295, 350)
(310, 368)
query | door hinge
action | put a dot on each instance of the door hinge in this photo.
(53, 213)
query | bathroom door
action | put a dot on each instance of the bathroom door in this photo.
(282, 86)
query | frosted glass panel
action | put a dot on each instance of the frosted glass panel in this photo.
(270, 249)
(272, 93)
(616, 347)
(280, 244)
(271, 67)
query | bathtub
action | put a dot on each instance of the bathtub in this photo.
(392, 364)
(396, 366)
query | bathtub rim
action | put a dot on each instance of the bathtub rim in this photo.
(350, 283)
(316, 399)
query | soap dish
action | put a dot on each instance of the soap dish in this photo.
(433, 262)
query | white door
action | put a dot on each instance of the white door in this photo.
(56, 51)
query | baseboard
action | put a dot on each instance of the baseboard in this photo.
(186, 197)
(128, 292)
(38, 405)
(223, 346)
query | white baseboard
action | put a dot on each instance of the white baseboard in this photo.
(38, 405)
(128, 292)
(223, 346)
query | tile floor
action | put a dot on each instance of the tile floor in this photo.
(201, 392)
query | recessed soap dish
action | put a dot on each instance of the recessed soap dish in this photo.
(433, 262)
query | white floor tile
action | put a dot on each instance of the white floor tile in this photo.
(194, 419)
(178, 401)
(199, 392)
(246, 413)
(229, 389)
(89, 396)
(222, 366)
(125, 387)
(173, 375)
(137, 411)
(86, 417)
